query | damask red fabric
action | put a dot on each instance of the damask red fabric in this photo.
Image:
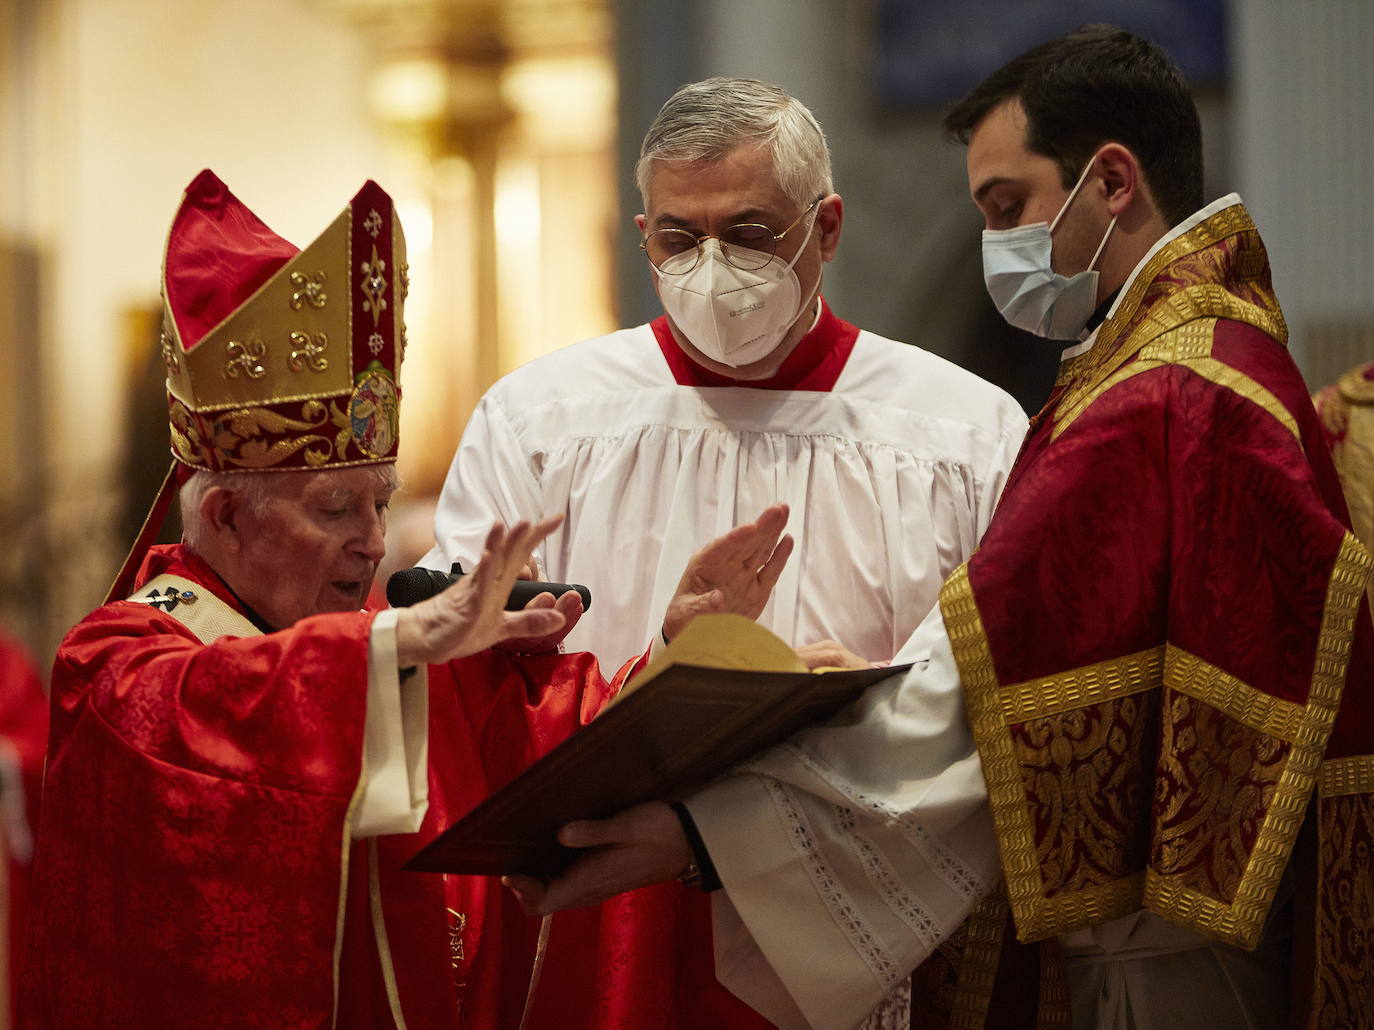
(641, 960)
(1165, 556)
(192, 853)
(190, 848)
(24, 727)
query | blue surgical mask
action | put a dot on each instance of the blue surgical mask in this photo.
(1027, 290)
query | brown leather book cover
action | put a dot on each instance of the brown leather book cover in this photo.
(674, 730)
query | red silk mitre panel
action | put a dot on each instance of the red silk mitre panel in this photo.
(218, 254)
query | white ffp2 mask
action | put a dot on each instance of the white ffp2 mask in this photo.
(732, 315)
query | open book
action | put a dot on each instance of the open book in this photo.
(724, 690)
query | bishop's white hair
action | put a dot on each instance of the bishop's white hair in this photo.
(255, 489)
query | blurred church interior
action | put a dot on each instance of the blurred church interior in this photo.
(507, 131)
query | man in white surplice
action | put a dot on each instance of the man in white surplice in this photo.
(748, 392)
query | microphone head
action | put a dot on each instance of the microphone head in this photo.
(409, 586)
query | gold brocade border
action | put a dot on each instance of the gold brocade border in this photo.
(1306, 727)
(978, 965)
(374, 893)
(1089, 684)
(1341, 776)
(1081, 404)
(1187, 346)
(1239, 383)
(1261, 712)
(1241, 922)
(1223, 225)
(1037, 917)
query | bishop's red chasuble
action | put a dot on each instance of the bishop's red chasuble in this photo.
(195, 864)
(1167, 671)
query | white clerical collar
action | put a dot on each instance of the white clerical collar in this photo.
(1196, 218)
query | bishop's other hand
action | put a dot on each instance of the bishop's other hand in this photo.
(734, 573)
(470, 616)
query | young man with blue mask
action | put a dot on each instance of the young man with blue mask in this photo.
(1148, 708)
(749, 391)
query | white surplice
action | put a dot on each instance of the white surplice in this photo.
(891, 475)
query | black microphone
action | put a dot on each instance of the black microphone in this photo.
(408, 586)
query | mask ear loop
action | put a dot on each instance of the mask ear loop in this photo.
(1103, 245)
(1073, 193)
(1082, 178)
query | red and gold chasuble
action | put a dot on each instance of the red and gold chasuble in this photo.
(194, 865)
(1160, 637)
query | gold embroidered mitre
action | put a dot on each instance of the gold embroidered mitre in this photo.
(278, 358)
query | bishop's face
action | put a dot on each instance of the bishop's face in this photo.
(1012, 186)
(315, 545)
(707, 198)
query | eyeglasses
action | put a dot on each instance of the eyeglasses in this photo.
(747, 246)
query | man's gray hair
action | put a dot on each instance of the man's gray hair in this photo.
(255, 489)
(706, 120)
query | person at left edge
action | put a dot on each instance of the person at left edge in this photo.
(238, 761)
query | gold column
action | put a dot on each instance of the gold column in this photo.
(500, 117)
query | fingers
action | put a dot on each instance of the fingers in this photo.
(768, 575)
(588, 833)
(527, 890)
(537, 622)
(544, 600)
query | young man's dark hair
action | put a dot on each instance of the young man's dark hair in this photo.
(1098, 85)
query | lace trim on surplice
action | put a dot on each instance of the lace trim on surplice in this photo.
(837, 900)
(953, 870)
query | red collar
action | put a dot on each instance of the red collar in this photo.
(814, 364)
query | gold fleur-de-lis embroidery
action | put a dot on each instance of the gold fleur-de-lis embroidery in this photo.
(308, 352)
(309, 290)
(245, 358)
(373, 223)
(169, 350)
(374, 285)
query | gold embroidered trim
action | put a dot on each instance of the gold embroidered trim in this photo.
(1087, 906)
(1037, 917)
(996, 752)
(1087, 685)
(1081, 404)
(978, 964)
(1341, 776)
(1231, 221)
(374, 892)
(1261, 712)
(1242, 922)
(1239, 383)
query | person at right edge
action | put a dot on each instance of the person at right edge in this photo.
(1149, 707)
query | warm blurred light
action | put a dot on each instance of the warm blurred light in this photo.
(410, 90)
(519, 257)
(565, 99)
(418, 223)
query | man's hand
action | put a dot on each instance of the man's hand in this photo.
(827, 654)
(568, 604)
(470, 616)
(642, 845)
(733, 573)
